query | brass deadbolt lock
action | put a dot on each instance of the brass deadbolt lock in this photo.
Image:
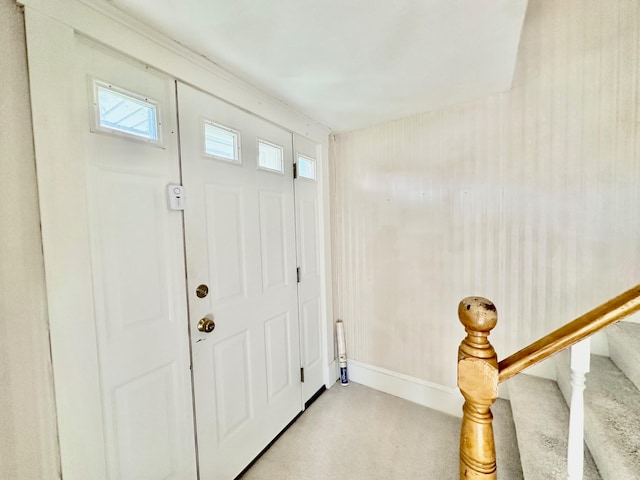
(202, 291)
(206, 325)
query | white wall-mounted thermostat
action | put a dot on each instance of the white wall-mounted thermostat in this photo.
(175, 194)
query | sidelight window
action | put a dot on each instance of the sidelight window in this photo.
(306, 167)
(124, 113)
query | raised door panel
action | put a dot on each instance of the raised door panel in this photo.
(226, 245)
(232, 384)
(308, 232)
(311, 333)
(145, 412)
(273, 240)
(130, 252)
(278, 354)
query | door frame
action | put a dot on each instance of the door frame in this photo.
(52, 27)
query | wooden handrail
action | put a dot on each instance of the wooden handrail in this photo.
(479, 372)
(573, 332)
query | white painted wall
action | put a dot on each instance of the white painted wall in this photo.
(351, 65)
(530, 198)
(28, 437)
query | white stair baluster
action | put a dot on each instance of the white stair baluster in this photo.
(580, 362)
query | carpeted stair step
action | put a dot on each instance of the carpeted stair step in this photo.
(624, 349)
(507, 453)
(612, 420)
(541, 418)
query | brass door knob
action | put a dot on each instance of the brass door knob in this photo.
(206, 325)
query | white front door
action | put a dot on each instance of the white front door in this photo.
(137, 269)
(241, 275)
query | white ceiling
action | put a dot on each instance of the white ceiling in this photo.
(352, 63)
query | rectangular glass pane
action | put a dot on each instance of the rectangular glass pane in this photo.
(306, 168)
(127, 114)
(270, 156)
(221, 142)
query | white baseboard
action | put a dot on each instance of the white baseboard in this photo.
(432, 395)
(331, 375)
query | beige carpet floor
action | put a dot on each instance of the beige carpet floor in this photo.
(357, 433)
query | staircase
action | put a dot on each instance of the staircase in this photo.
(612, 414)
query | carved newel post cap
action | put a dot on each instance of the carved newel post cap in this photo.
(477, 314)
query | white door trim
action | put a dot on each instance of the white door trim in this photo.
(51, 34)
(61, 182)
(331, 374)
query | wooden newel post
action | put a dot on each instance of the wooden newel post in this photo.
(478, 382)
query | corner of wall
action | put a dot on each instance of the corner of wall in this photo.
(29, 443)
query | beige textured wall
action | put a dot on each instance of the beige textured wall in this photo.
(530, 198)
(28, 438)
